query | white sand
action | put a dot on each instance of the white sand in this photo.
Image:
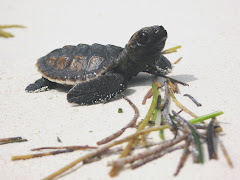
(209, 32)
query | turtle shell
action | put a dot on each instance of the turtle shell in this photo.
(75, 64)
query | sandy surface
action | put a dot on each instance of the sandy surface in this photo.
(209, 32)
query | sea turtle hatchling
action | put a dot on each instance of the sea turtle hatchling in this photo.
(97, 72)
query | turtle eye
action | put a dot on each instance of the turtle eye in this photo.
(143, 37)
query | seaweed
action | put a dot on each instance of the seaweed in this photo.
(59, 140)
(178, 60)
(226, 155)
(120, 110)
(12, 140)
(210, 140)
(190, 131)
(193, 99)
(6, 34)
(171, 50)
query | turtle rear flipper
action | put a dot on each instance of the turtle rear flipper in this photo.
(41, 85)
(98, 90)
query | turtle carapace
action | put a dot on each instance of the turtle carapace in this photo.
(98, 72)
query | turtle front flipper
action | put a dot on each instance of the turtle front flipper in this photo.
(41, 85)
(164, 65)
(98, 90)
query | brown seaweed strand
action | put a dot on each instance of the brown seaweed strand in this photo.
(227, 157)
(165, 114)
(30, 156)
(147, 96)
(130, 124)
(200, 126)
(81, 159)
(180, 105)
(168, 119)
(66, 147)
(166, 96)
(184, 127)
(150, 93)
(154, 156)
(116, 150)
(171, 85)
(177, 61)
(142, 155)
(13, 141)
(176, 88)
(193, 99)
(111, 137)
(193, 150)
(11, 138)
(210, 141)
(183, 157)
(195, 134)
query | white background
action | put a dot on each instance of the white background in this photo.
(209, 32)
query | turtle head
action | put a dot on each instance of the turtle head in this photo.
(147, 44)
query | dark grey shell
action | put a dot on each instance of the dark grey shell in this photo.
(75, 64)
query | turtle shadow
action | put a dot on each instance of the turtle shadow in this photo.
(64, 88)
(145, 79)
(127, 92)
(185, 77)
(142, 79)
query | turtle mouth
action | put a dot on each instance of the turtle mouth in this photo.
(140, 45)
(160, 37)
(159, 31)
(161, 42)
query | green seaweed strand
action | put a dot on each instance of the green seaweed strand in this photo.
(155, 114)
(204, 117)
(161, 132)
(198, 144)
(151, 109)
